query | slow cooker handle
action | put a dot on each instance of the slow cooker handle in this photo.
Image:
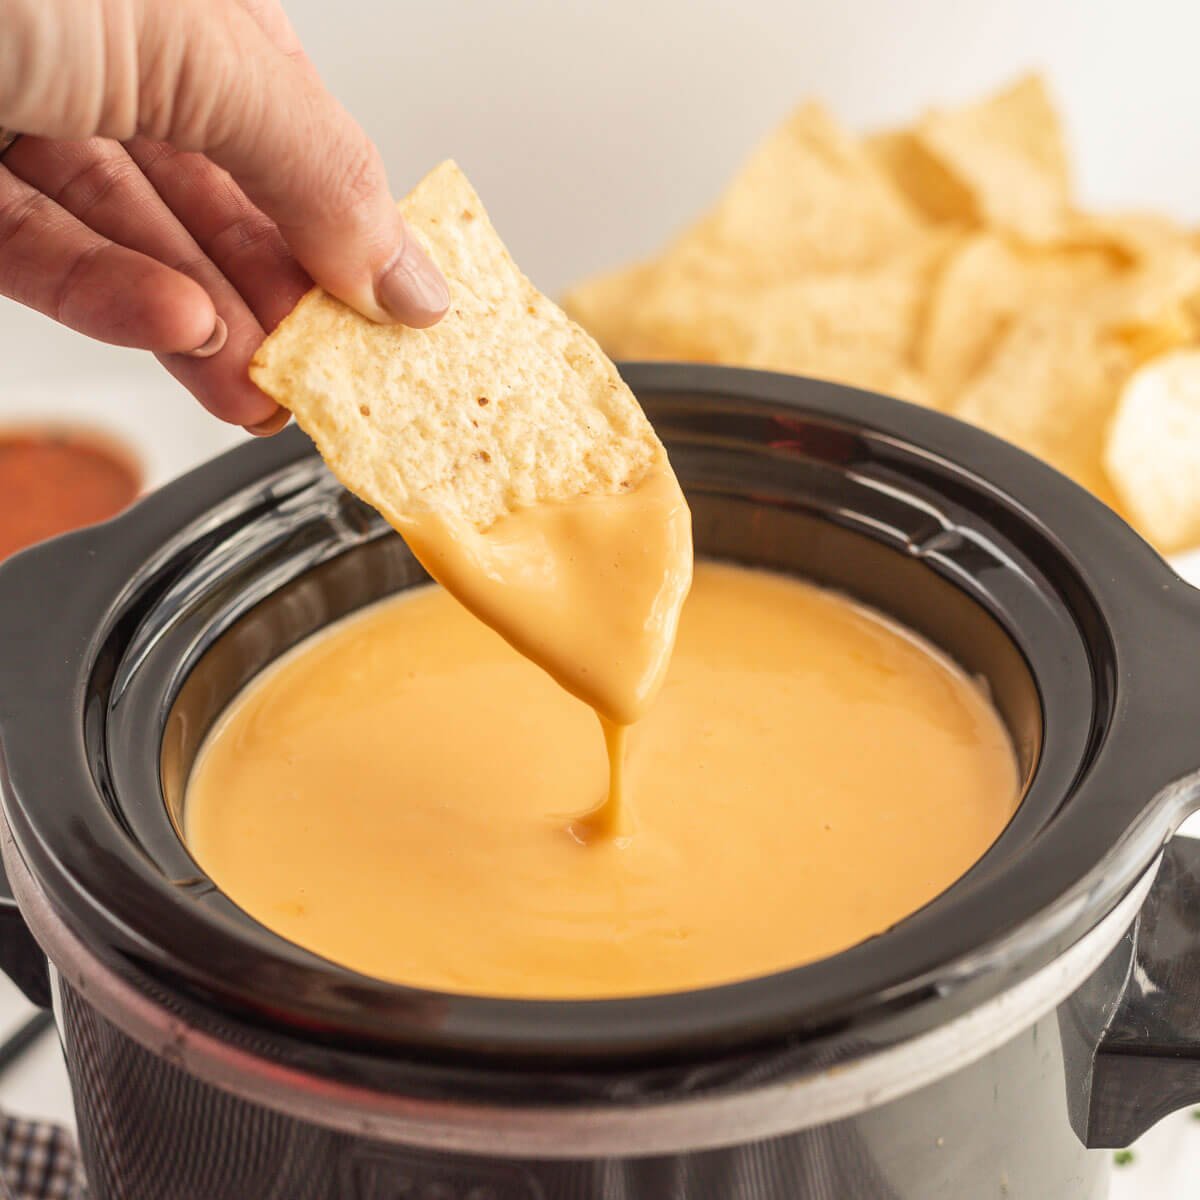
(21, 958)
(1147, 1063)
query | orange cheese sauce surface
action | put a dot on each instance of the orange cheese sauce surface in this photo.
(398, 795)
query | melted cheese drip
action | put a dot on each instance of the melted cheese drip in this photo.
(590, 590)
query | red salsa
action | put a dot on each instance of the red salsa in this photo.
(55, 481)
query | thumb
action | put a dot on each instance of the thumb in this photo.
(214, 81)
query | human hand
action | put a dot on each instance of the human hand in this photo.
(182, 175)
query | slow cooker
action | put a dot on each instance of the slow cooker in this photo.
(1045, 1006)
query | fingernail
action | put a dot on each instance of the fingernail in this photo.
(270, 425)
(216, 340)
(412, 289)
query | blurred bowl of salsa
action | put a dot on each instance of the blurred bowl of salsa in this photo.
(78, 449)
(56, 478)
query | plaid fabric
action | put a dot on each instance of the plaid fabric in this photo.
(38, 1161)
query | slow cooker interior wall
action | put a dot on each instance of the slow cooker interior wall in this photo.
(726, 527)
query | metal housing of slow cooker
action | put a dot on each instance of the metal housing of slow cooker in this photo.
(1044, 1004)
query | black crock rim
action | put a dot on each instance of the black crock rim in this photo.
(1121, 809)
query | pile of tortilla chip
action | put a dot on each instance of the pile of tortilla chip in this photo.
(946, 264)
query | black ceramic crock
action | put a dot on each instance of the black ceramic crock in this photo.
(1045, 1006)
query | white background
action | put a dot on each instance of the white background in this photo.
(593, 130)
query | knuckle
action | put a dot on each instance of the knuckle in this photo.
(73, 282)
(194, 266)
(356, 185)
(59, 285)
(152, 155)
(190, 68)
(17, 211)
(93, 183)
(243, 235)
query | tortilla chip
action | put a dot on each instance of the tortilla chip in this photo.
(853, 327)
(1174, 328)
(987, 283)
(834, 318)
(503, 404)
(930, 189)
(944, 264)
(1150, 291)
(810, 198)
(606, 305)
(1008, 153)
(1153, 452)
(1134, 236)
(1148, 302)
(1051, 386)
(872, 312)
(680, 314)
(873, 372)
